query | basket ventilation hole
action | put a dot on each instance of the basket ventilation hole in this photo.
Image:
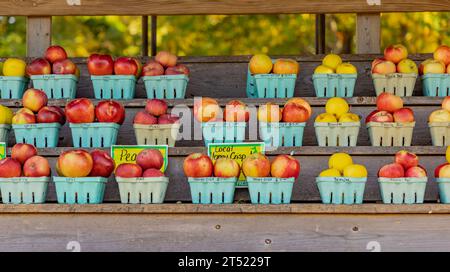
(91, 141)
(32, 197)
(444, 142)
(331, 197)
(346, 92)
(392, 198)
(76, 198)
(51, 93)
(415, 197)
(167, 141)
(403, 141)
(335, 92)
(145, 141)
(199, 197)
(337, 141)
(79, 140)
(46, 141)
(34, 141)
(111, 93)
(343, 197)
(326, 141)
(282, 197)
(151, 197)
(88, 199)
(65, 199)
(392, 141)
(140, 198)
(102, 144)
(223, 197)
(404, 198)
(156, 141)
(62, 92)
(9, 197)
(270, 198)
(325, 91)
(211, 197)
(259, 197)
(21, 197)
(128, 197)
(122, 93)
(354, 197)
(395, 89)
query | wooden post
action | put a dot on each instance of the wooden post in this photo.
(144, 36)
(39, 35)
(154, 32)
(368, 33)
(320, 33)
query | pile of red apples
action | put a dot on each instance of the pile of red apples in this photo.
(55, 61)
(80, 163)
(155, 112)
(395, 60)
(406, 165)
(82, 110)
(390, 109)
(165, 63)
(148, 165)
(24, 161)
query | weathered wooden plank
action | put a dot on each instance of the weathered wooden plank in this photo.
(368, 33)
(166, 7)
(39, 35)
(223, 232)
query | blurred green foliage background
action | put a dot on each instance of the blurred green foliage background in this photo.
(227, 35)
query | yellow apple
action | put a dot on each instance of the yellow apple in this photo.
(337, 106)
(407, 66)
(355, 171)
(346, 68)
(439, 116)
(433, 67)
(326, 118)
(322, 69)
(260, 64)
(330, 173)
(332, 61)
(349, 117)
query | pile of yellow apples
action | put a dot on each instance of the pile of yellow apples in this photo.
(332, 64)
(13, 67)
(341, 165)
(263, 64)
(337, 110)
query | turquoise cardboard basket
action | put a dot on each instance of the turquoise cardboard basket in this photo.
(281, 134)
(142, 190)
(94, 134)
(40, 135)
(270, 85)
(341, 190)
(56, 86)
(114, 87)
(4, 133)
(436, 84)
(88, 190)
(24, 190)
(223, 132)
(334, 85)
(166, 87)
(402, 190)
(270, 190)
(12, 87)
(444, 189)
(212, 190)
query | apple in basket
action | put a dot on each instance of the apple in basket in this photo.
(64, 67)
(389, 102)
(226, 168)
(152, 173)
(198, 165)
(110, 111)
(301, 102)
(100, 65)
(152, 68)
(156, 107)
(439, 116)
(166, 59)
(383, 67)
(446, 103)
(294, 113)
(395, 53)
(75, 163)
(436, 171)
(144, 118)
(442, 53)
(379, 116)
(24, 116)
(236, 111)
(51, 114)
(10, 168)
(22, 152)
(34, 99)
(125, 66)
(128, 170)
(139, 67)
(150, 158)
(103, 164)
(443, 171)
(269, 112)
(39, 66)
(406, 159)
(256, 165)
(80, 110)
(55, 53)
(285, 66)
(36, 166)
(416, 172)
(168, 119)
(207, 109)
(433, 67)
(178, 69)
(285, 166)
(393, 170)
(404, 115)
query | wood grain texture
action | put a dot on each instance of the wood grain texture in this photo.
(224, 232)
(368, 33)
(185, 7)
(39, 35)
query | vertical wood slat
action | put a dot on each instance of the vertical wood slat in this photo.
(39, 35)
(320, 33)
(154, 35)
(368, 33)
(144, 33)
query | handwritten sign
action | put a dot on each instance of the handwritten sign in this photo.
(128, 153)
(2, 150)
(235, 151)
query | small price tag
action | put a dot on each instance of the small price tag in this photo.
(235, 151)
(128, 153)
(2, 150)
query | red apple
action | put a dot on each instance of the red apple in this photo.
(139, 67)
(34, 99)
(10, 168)
(377, 61)
(75, 163)
(179, 69)
(128, 170)
(51, 114)
(168, 119)
(144, 118)
(39, 66)
(444, 172)
(100, 65)
(383, 67)
(395, 53)
(389, 102)
(404, 115)
(256, 165)
(285, 166)
(64, 67)
(150, 158)
(226, 168)
(55, 53)
(442, 53)
(436, 171)
(380, 116)
(153, 68)
(166, 59)
(236, 111)
(23, 116)
(156, 107)
(22, 152)
(103, 164)
(406, 159)
(110, 111)
(36, 166)
(152, 173)
(198, 165)
(294, 113)
(125, 66)
(393, 170)
(80, 110)
(416, 172)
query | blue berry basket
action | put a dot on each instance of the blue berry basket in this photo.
(114, 86)
(142, 190)
(281, 134)
(341, 190)
(4, 133)
(12, 87)
(270, 85)
(223, 132)
(24, 190)
(40, 135)
(166, 87)
(337, 134)
(402, 190)
(56, 86)
(334, 85)
(212, 190)
(89, 135)
(88, 190)
(270, 190)
(444, 189)
(436, 84)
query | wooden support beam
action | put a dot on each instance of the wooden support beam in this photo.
(144, 34)
(320, 34)
(38, 35)
(154, 34)
(368, 33)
